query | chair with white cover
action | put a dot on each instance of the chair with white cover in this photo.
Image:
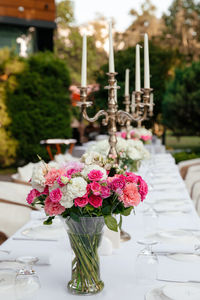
(186, 164)
(14, 211)
(193, 176)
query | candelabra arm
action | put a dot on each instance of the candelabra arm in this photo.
(124, 116)
(96, 117)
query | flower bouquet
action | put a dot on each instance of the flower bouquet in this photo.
(141, 134)
(130, 152)
(85, 196)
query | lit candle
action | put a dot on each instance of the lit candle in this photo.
(146, 62)
(137, 69)
(127, 82)
(111, 52)
(84, 62)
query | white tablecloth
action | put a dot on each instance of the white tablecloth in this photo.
(117, 270)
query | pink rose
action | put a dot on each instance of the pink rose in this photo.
(130, 196)
(53, 208)
(72, 171)
(95, 188)
(81, 201)
(52, 175)
(95, 175)
(123, 134)
(117, 182)
(131, 177)
(95, 201)
(105, 192)
(46, 191)
(32, 195)
(60, 182)
(55, 195)
(143, 188)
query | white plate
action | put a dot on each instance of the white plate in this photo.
(185, 257)
(177, 236)
(45, 231)
(182, 291)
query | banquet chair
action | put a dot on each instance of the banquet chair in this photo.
(196, 194)
(193, 176)
(14, 211)
(3, 237)
(186, 164)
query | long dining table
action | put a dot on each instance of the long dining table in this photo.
(118, 270)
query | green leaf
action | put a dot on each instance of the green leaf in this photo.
(120, 223)
(106, 210)
(48, 221)
(111, 223)
(74, 216)
(127, 211)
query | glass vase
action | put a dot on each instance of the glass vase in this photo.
(85, 237)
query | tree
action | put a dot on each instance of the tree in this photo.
(144, 22)
(64, 13)
(38, 104)
(182, 28)
(181, 106)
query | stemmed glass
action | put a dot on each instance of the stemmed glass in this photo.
(146, 263)
(27, 281)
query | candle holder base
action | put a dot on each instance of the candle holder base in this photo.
(124, 236)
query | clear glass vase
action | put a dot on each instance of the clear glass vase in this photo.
(85, 237)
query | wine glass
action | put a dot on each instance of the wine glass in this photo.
(27, 281)
(146, 263)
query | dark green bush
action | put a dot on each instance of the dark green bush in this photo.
(39, 105)
(185, 156)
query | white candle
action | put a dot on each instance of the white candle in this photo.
(127, 82)
(146, 62)
(84, 62)
(137, 69)
(133, 103)
(151, 102)
(111, 51)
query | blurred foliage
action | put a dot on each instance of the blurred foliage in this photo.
(64, 12)
(181, 105)
(9, 65)
(38, 104)
(185, 156)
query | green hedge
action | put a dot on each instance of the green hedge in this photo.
(38, 104)
(185, 156)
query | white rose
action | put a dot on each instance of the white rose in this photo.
(38, 179)
(75, 188)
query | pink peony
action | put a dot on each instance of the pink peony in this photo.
(130, 196)
(74, 165)
(143, 188)
(117, 182)
(72, 171)
(95, 188)
(60, 182)
(105, 192)
(53, 208)
(146, 138)
(95, 175)
(52, 175)
(32, 195)
(81, 201)
(95, 201)
(55, 195)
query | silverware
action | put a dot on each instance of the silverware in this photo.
(172, 253)
(33, 239)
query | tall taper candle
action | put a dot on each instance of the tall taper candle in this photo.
(137, 69)
(127, 82)
(111, 51)
(146, 62)
(84, 62)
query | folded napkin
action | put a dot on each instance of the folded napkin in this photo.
(43, 259)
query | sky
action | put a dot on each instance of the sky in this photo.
(85, 10)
